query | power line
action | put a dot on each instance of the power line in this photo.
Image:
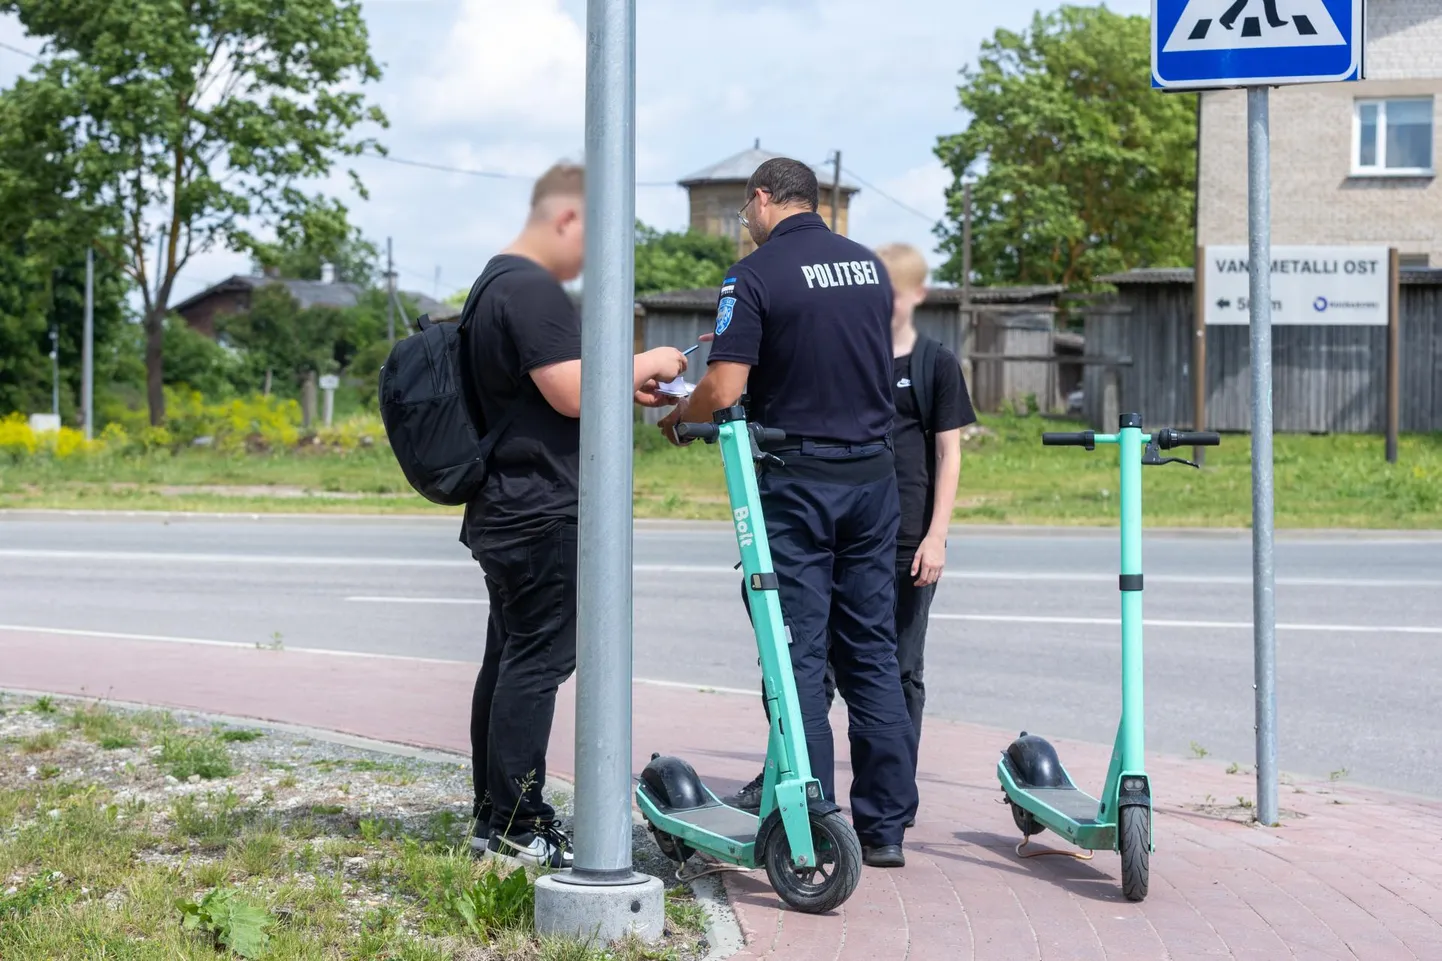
(491, 174)
(23, 53)
(907, 207)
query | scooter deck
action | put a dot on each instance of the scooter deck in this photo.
(1070, 802)
(716, 828)
(718, 819)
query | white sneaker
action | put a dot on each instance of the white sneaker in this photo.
(546, 848)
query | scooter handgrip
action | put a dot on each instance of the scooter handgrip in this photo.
(1169, 438)
(772, 435)
(1085, 438)
(707, 432)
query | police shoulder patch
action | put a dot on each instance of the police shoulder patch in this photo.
(723, 314)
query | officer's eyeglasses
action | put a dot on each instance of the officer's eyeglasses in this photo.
(741, 214)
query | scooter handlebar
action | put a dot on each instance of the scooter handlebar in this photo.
(1085, 438)
(706, 432)
(1167, 438)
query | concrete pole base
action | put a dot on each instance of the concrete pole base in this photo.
(600, 913)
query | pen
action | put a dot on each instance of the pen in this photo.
(688, 350)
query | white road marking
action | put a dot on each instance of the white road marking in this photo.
(1066, 577)
(1202, 625)
(418, 600)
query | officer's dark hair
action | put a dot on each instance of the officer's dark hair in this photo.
(787, 181)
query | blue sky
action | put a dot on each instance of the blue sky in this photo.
(498, 85)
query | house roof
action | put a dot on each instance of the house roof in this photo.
(704, 298)
(738, 168)
(317, 293)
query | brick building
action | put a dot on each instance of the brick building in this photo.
(717, 193)
(1351, 162)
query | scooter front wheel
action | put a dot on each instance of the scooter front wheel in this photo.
(816, 890)
(1134, 843)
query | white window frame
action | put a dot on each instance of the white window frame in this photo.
(1381, 169)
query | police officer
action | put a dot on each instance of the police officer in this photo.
(803, 326)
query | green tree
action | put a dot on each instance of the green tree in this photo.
(1080, 167)
(680, 260)
(322, 235)
(193, 123)
(41, 290)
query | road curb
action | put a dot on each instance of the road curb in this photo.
(723, 932)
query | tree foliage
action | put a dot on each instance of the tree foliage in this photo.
(321, 235)
(280, 335)
(677, 260)
(192, 123)
(1080, 168)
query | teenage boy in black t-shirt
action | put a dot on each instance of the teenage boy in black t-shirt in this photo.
(523, 349)
(928, 465)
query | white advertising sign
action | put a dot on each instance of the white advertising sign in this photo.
(1310, 285)
(329, 382)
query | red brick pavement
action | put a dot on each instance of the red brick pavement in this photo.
(1352, 873)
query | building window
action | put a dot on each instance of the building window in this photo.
(1393, 137)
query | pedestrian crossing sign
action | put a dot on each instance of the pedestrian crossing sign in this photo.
(1213, 44)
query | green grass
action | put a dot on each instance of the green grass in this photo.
(1321, 481)
(184, 755)
(110, 730)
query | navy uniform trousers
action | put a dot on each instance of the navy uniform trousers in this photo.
(832, 515)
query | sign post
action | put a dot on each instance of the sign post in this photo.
(329, 383)
(1198, 45)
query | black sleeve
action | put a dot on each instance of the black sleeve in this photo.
(543, 324)
(953, 402)
(739, 313)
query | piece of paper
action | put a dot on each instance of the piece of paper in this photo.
(679, 387)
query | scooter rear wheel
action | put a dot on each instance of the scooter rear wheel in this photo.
(1134, 843)
(826, 886)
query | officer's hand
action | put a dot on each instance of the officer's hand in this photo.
(666, 364)
(929, 562)
(669, 422)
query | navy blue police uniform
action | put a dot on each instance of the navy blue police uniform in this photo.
(810, 312)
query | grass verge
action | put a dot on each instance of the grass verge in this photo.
(1335, 481)
(109, 859)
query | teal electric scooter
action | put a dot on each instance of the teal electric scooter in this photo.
(808, 847)
(1040, 791)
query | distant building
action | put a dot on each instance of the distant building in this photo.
(1351, 162)
(718, 192)
(233, 296)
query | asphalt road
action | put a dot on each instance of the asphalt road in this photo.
(1024, 632)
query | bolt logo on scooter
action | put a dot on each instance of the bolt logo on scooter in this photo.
(808, 847)
(1040, 791)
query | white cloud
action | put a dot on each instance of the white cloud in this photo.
(508, 61)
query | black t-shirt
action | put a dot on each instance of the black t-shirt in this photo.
(810, 312)
(915, 452)
(524, 320)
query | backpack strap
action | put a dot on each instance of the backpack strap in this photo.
(494, 431)
(923, 379)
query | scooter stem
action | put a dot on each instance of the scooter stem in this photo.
(1130, 440)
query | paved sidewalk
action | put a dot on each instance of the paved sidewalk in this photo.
(1352, 873)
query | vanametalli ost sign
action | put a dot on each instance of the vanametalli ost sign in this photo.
(1310, 285)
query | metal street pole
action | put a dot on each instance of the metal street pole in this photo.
(601, 897)
(55, 371)
(1259, 229)
(391, 298)
(968, 320)
(87, 348)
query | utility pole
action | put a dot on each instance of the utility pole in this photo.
(436, 289)
(968, 322)
(836, 191)
(87, 348)
(391, 294)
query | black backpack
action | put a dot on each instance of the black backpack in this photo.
(440, 438)
(923, 368)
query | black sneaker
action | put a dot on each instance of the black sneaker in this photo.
(547, 847)
(749, 797)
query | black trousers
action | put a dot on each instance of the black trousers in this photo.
(832, 532)
(530, 652)
(913, 613)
